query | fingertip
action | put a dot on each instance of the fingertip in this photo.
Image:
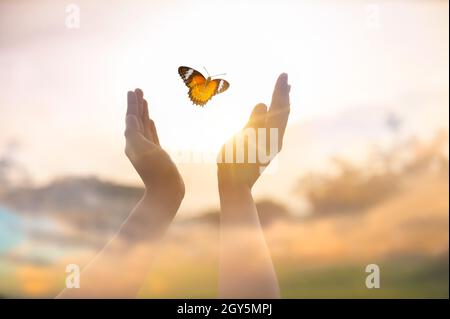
(131, 96)
(281, 86)
(131, 102)
(280, 96)
(140, 97)
(283, 80)
(260, 108)
(258, 115)
(139, 92)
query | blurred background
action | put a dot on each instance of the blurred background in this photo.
(363, 177)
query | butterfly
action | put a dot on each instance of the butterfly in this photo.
(201, 89)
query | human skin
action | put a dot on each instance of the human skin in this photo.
(119, 270)
(246, 269)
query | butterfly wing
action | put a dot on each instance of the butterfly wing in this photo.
(191, 77)
(221, 87)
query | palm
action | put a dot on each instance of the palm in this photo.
(151, 162)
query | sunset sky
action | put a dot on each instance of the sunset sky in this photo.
(63, 91)
(352, 66)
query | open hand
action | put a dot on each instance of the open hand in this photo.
(153, 164)
(233, 171)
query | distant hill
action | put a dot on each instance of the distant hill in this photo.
(269, 211)
(96, 208)
(84, 203)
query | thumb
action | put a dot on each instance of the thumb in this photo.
(258, 117)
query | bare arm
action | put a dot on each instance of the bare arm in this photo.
(120, 268)
(246, 269)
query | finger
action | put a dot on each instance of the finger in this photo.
(280, 96)
(146, 121)
(151, 125)
(135, 139)
(258, 116)
(154, 132)
(132, 104)
(278, 114)
(140, 99)
(133, 109)
(132, 130)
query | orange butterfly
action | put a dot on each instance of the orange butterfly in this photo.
(201, 89)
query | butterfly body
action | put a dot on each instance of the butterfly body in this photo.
(201, 89)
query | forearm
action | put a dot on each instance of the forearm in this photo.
(119, 270)
(246, 269)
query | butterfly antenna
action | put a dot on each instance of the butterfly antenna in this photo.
(219, 75)
(206, 71)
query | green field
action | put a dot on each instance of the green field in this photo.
(400, 278)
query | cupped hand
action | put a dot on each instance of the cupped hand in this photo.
(152, 163)
(232, 170)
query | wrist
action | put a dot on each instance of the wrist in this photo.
(232, 188)
(230, 180)
(237, 204)
(157, 208)
(166, 190)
